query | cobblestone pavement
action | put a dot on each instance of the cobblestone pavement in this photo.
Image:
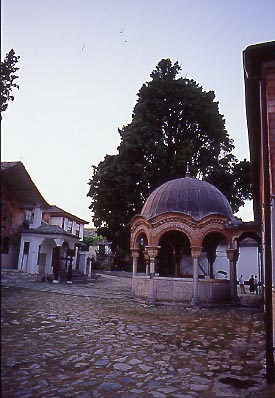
(95, 340)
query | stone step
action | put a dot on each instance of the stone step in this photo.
(251, 300)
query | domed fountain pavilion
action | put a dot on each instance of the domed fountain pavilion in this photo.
(174, 242)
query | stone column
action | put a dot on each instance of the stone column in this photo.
(146, 257)
(152, 252)
(211, 256)
(195, 253)
(70, 254)
(56, 259)
(135, 254)
(56, 264)
(232, 255)
(70, 265)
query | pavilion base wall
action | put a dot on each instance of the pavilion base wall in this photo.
(180, 290)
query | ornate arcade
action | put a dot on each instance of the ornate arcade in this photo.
(174, 244)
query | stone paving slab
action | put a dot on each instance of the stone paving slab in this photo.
(95, 340)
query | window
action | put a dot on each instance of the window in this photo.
(70, 227)
(5, 245)
(29, 216)
(77, 228)
(26, 247)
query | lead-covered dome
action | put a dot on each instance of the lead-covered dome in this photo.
(188, 196)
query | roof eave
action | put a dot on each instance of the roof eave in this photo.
(17, 174)
(254, 57)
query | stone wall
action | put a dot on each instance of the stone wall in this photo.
(180, 290)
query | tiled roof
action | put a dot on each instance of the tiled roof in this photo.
(7, 165)
(90, 232)
(16, 178)
(57, 211)
(49, 230)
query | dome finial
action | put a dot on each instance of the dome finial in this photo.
(187, 174)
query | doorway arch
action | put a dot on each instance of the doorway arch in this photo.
(173, 246)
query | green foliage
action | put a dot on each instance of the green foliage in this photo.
(93, 240)
(174, 122)
(7, 84)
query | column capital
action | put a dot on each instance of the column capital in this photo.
(196, 251)
(146, 255)
(232, 254)
(135, 252)
(59, 241)
(40, 241)
(152, 251)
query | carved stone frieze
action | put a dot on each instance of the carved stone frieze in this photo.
(194, 230)
(140, 223)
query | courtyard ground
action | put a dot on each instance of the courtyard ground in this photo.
(96, 340)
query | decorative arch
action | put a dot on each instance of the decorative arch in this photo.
(140, 244)
(140, 226)
(249, 234)
(140, 239)
(195, 230)
(249, 245)
(210, 244)
(170, 227)
(215, 225)
(174, 244)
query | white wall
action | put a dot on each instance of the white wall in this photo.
(81, 231)
(28, 262)
(47, 248)
(37, 218)
(247, 263)
(57, 221)
(93, 249)
(221, 263)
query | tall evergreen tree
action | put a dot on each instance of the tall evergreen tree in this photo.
(174, 122)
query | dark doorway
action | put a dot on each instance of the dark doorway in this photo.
(174, 245)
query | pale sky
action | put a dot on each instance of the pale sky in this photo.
(83, 62)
